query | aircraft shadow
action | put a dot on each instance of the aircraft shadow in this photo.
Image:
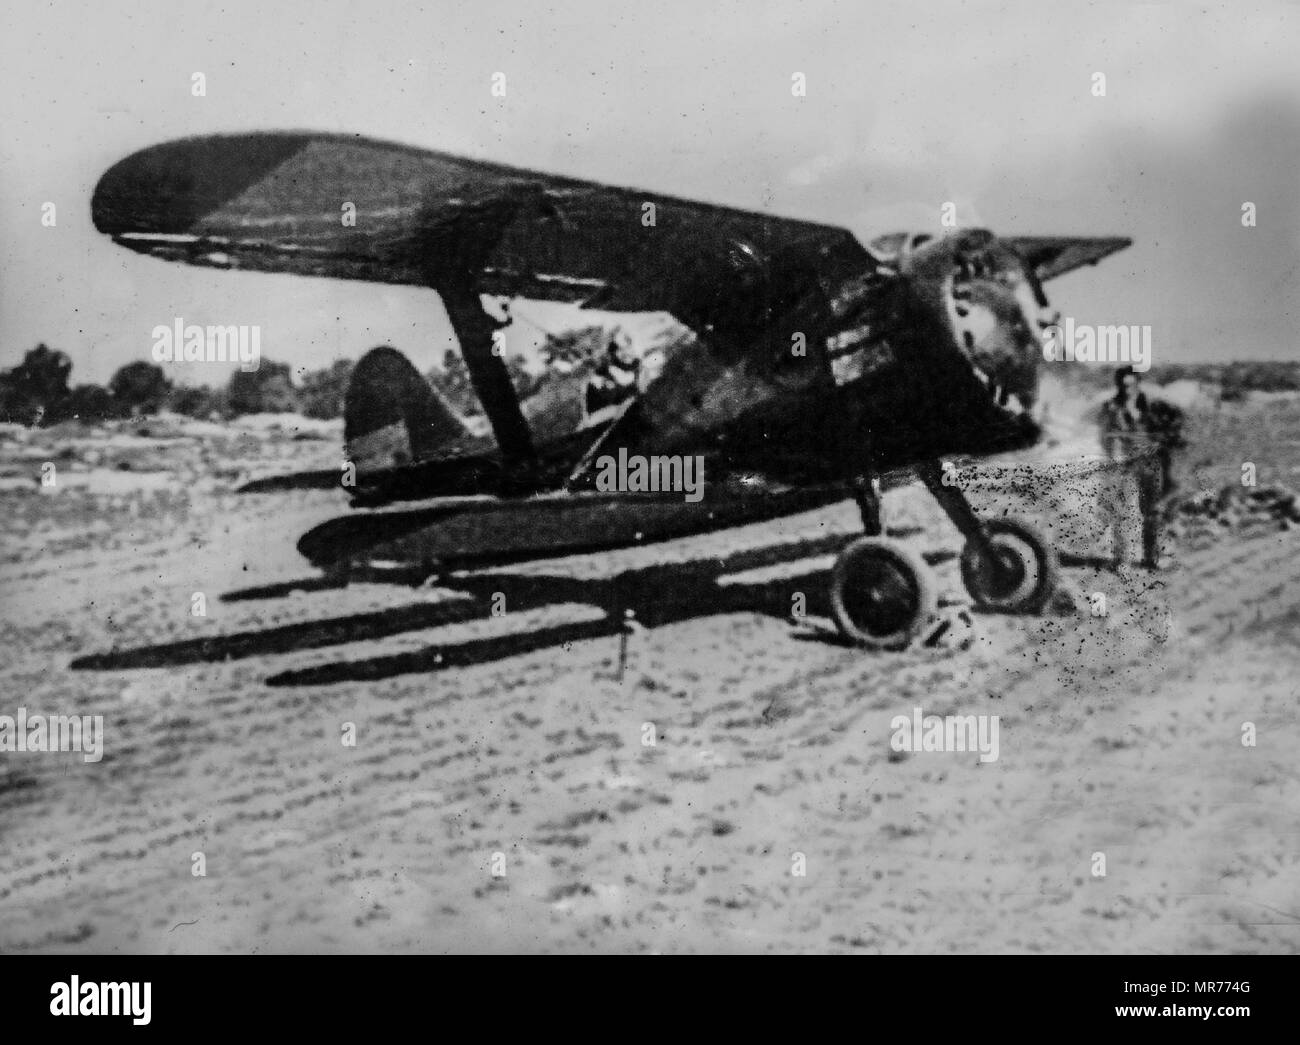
(656, 595)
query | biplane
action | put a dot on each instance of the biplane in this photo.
(818, 363)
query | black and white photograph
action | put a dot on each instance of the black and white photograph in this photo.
(659, 478)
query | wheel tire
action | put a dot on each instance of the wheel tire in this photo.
(1032, 564)
(882, 593)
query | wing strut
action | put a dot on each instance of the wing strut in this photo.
(489, 375)
(458, 246)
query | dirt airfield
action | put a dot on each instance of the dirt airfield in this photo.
(501, 793)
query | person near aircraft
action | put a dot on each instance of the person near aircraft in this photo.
(1139, 435)
(616, 378)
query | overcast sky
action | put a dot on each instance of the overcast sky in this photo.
(908, 105)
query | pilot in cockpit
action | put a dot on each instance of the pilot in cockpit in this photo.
(616, 378)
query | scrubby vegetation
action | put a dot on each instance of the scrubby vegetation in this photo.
(37, 391)
(1235, 380)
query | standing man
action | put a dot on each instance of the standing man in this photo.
(1139, 438)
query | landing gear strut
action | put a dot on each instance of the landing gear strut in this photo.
(1007, 564)
(883, 594)
(1019, 576)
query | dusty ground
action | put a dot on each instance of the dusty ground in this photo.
(1119, 734)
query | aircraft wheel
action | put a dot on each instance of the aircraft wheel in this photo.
(882, 593)
(1025, 574)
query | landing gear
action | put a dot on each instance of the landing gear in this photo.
(1020, 575)
(883, 593)
(1007, 564)
(866, 491)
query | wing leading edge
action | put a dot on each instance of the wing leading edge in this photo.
(349, 207)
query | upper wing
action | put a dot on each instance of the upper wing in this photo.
(1052, 256)
(285, 203)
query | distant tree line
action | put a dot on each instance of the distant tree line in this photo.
(452, 381)
(1234, 380)
(38, 392)
(560, 353)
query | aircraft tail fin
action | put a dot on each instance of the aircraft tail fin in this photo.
(392, 416)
